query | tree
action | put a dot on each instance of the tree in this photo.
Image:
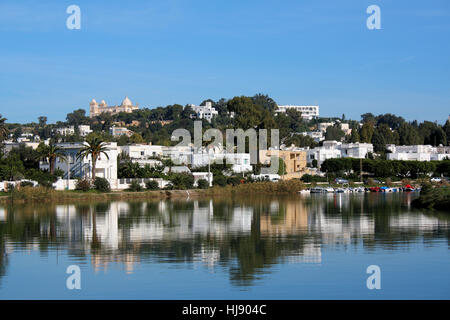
(51, 152)
(383, 135)
(3, 129)
(136, 138)
(202, 184)
(354, 137)
(94, 148)
(42, 121)
(77, 117)
(152, 185)
(446, 130)
(281, 167)
(265, 102)
(391, 120)
(409, 135)
(432, 133)
(334, 133)
(301, 141)
(12, 168)
(368, 117)
(366, 132)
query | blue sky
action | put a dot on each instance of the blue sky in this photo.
(165, 52)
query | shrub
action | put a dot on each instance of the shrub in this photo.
(26, 184)
(202, 184)
(169, 186)
(83, 185)
(33, 193)
(220, 181)
(234, 181)
(101, 184)
(152, 185)
(182, 181)
(308, 178)
(134, 186)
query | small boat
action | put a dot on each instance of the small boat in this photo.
(342, 190)
(375, 189)
(318, 190)
(359, 189)
(408, 188)
(329, 190)
(305, 191)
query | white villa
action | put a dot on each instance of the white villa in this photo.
(206, 112)
(417, 152)
(335, 149)
(106, 167)
(70, 130)
(308, 112)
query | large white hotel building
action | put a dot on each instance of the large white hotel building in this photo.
(308, 112)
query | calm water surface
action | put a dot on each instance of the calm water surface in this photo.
(297, 247)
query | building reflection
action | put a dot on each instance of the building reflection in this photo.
(244, 235)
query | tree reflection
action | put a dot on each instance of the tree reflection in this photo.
(245, 236)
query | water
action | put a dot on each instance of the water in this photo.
(297, 247)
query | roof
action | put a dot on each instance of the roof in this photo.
(177, 169)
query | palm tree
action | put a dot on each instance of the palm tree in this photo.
(3, 129)
(51, 152)
(95, 147)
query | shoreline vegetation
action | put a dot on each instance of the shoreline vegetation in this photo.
(433, 198)
(43, 194)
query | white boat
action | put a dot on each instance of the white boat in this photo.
(342, 190)
(306, 191)
(318, 190)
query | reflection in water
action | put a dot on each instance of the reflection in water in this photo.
(244, 236)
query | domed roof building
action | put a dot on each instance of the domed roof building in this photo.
(126, 102)
(97, 109)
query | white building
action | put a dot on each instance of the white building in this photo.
(118, 131)
(316, 135)
(308, 112)
(206, 112)
(106, 167)
(323, 126)
(356, 150)
(70, 130)
(417, 152)
(179, 154)
(335, 149)
(240, 162)
(142, 151)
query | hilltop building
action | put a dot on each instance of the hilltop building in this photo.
(96, 109)
(206, 112)
(308, 112)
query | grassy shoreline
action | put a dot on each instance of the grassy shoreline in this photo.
(41, 194)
